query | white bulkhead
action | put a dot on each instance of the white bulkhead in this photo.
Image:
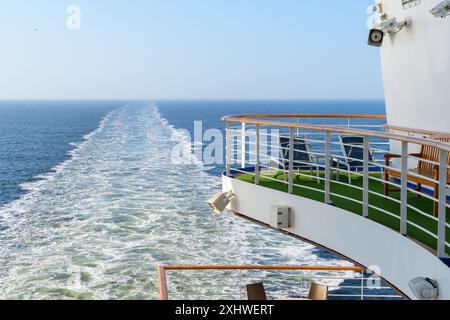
(416, 65)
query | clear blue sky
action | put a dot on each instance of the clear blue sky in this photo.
(195, 49)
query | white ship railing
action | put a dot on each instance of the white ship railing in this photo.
(280, 282)
(251, 137)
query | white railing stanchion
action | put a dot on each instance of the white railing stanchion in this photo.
(322, 146)
(243, 146)
(291, 161)
(366, 177)
(327, 167)
(442, 203)
(362, 284)
(228, 142)
(258, 147)
(404, 191)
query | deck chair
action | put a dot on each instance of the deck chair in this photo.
(256, 292)
(352, 149)
(318, 292)
(423, 172)
(303, 158)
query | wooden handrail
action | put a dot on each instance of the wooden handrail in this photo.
(163, 293)
(413, 130)
(162, 279)
(310, 115)
(308, 268)
(385, 135)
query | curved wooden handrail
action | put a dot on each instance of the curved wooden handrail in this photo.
(231, 267)
(310, 115)
(413, 130)
(256, 120)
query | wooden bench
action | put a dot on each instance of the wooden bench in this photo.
(423, 171)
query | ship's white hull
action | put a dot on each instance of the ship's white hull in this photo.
(397, 258)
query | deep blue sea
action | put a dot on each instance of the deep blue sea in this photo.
(35, 136)
(90, 202)
(183, 114)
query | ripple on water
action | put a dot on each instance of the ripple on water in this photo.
(97, 226)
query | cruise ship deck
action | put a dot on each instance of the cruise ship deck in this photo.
(374, 193)
(355, 165)
(306, 186)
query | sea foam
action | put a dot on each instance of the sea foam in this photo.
(98, 224)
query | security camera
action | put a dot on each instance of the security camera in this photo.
(375, 38)
(220, 201)
(424, 288)
(442, 10)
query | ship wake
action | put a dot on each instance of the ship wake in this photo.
(98, 225)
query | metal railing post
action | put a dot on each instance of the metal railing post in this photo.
(366, 178)
(362, 284)
(327, 167)
(162, 279)
(228, 143)
(243, 146)
(291, 161)
(257, 162)
(442, 203)
(404, 191)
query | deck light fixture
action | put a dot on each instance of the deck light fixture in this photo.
(220, 201)
(424, 288)
(392, 26)
(442, 10)
(384, 27)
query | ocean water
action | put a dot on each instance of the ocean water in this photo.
(91, 203)
(183, 114)
(36, 136)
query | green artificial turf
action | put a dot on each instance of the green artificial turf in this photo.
(424, 204)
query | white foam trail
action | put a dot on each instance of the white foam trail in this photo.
(99, 224)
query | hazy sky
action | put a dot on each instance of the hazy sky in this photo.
(195, 49)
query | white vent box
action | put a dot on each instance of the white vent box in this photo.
(280, 217)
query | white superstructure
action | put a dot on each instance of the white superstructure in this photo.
(416, 65)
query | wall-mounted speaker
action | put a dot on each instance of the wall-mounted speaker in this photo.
(375, 38)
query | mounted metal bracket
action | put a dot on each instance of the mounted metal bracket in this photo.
(407, 4)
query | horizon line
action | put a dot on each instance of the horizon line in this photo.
(192, 99)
